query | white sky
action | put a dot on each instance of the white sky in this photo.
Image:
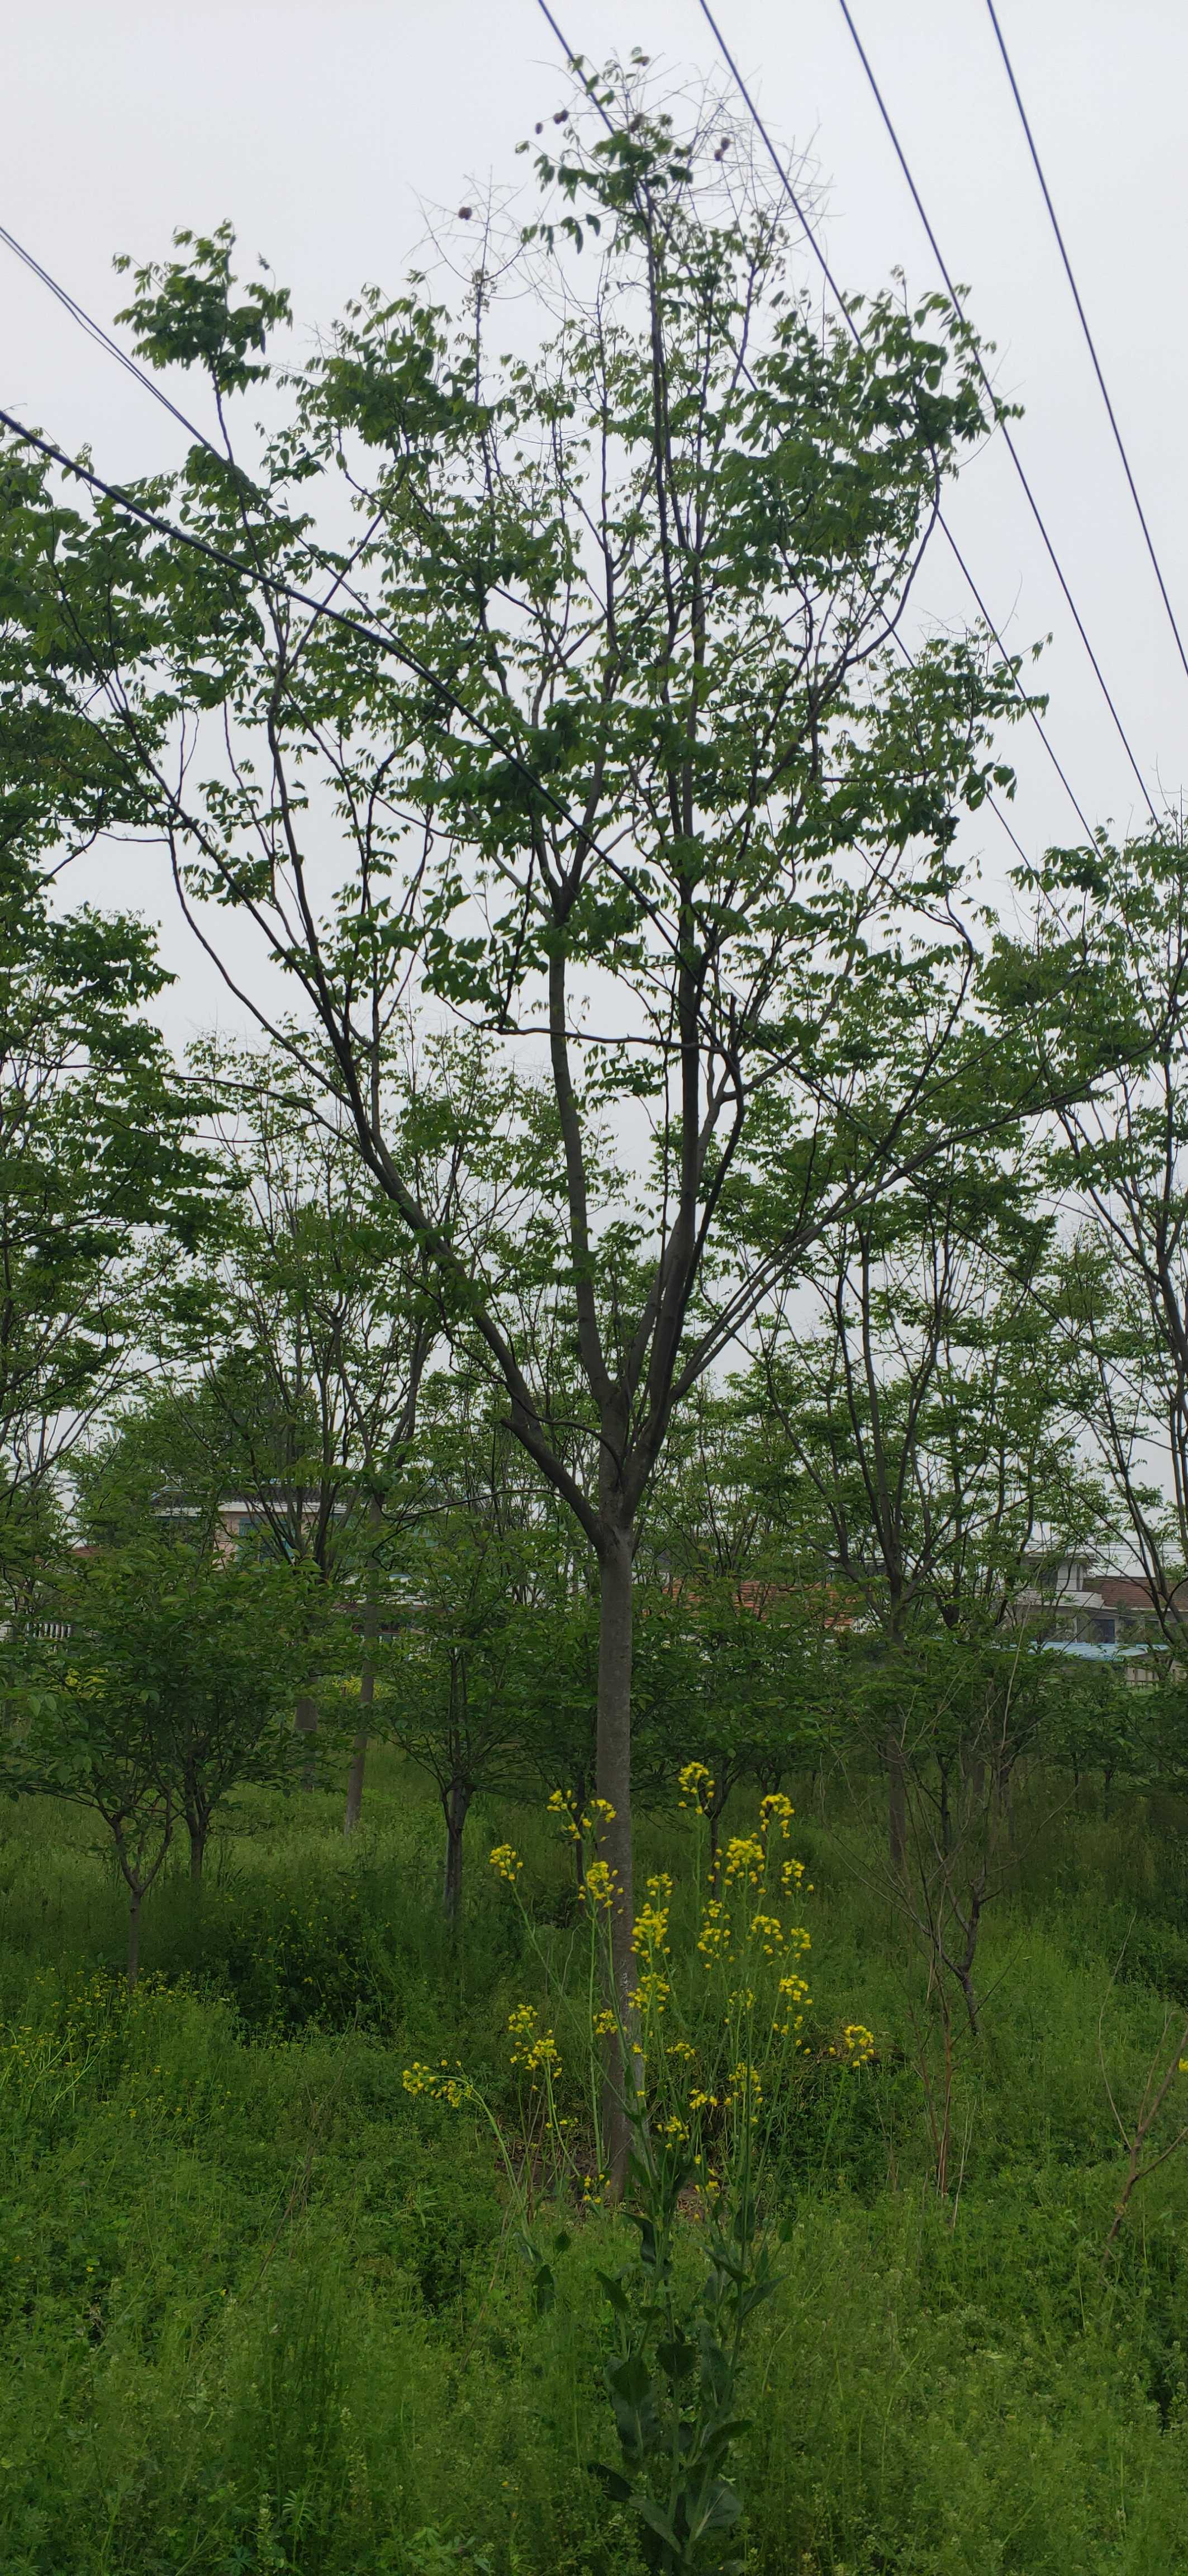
(318, 126)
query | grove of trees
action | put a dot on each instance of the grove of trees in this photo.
(663, 1268)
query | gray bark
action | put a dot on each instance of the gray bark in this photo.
(614, 1834)
(354, 1795)
(455, 1802)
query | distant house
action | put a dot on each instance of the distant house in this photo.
(1078, 1610)
(241, 1518)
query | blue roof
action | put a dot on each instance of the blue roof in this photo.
(1093, 1654)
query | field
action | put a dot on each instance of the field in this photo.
(264, 2310)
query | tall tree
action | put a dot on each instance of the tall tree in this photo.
(642, 782)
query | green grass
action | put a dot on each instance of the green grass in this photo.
(260, 2310)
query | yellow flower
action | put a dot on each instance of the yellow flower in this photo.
(650, 1928)
(599, 1884)
(506, 1862)
(535, 2050)
(561, 1805)
(651, 1993)
(745, 1858)
(768, 1929)
(714, 1936)
(696, 1784)
(776, 1810)
(440, 2084)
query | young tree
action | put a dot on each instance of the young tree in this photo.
(451, 1679)
(161, 1683)
(919, 1434)
(95, 1170)
(641, 780)
(735, 1652)
(1121, 1315)
(310, 1316)
(224, 1646)
(96, 1744)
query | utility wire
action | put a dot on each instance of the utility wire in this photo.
(1012, 450)
(383, 638)
(575, 63)
(95, 331)
(856, 335)
(140, 376)
(1089, 340)
(103, 339)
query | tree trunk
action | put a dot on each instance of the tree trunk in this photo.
(579, 1793)
(974, 1769)
(946, 1813)
(455, 1802)
(134, 1903)
(614, 1832)
(896, 1806)
(714, 1814)
(354, 1795)
(305, 1722)
(197, 1828)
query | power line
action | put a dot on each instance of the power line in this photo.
(575, 62)
(112, 348)
(95, 331)
(1089, 340)
(104, 340)
(856, 335)
(1012, 450)
(384, 639)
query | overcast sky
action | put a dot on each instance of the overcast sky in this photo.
(321, 126)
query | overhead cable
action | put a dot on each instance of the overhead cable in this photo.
(1089, 340)
(1012, 449)
(842, 303)
(95, 331)
(574, 61)
(103, 339)
(383, 638)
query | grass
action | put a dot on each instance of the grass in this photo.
(259, 2310)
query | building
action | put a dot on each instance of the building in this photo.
(1080, 1610)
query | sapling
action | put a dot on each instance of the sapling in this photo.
(1142, 2156)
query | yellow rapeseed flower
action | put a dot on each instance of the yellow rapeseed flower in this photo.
(696, 1784)
(745, 1858)
(776, 1809)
